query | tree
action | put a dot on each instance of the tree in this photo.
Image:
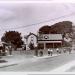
(13, 37)
(31, 46)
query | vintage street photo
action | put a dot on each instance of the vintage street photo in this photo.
(37, 37)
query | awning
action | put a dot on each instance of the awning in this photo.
(49, 41)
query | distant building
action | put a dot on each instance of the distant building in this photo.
(73, 28)
(48, 40)
(1, 44)
(30, 39)
(73, 38)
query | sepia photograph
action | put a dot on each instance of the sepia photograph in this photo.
(37, 37)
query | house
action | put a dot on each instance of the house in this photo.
(30, 40)
(47, 39)
(50, 40)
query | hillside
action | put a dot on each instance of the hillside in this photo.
(58, 28)
(62, 27)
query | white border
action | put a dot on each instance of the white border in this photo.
(37, 1)
(36, 73)
(31, 1)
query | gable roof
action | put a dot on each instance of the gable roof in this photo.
(30, 35)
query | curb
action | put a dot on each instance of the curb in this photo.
(43, 57)
(8, 65)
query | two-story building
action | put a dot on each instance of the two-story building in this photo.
(46, 39)
(30, 40)
(50, 41)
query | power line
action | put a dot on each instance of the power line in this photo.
(73, 13)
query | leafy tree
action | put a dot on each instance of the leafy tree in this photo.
(13, 37)
(31, 46)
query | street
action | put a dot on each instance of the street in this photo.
(41, 65)
(72, 68)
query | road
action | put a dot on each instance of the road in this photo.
(72, 68)
(41, 65)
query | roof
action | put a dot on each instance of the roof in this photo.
(30, 35)
(1, 43)
(50, 37)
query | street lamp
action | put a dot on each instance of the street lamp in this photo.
(36, 50)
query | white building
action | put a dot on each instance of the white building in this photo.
(31, 38)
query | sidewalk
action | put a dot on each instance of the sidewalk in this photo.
(20, 58)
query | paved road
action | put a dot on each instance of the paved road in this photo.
(72, 68)
(41, 65)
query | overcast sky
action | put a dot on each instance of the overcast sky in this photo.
(15, 16)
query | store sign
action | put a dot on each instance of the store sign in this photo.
(50, 37)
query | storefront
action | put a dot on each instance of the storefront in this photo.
(50, 41)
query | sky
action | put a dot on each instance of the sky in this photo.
(29, 17)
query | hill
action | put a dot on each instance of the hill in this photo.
(58, 28)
